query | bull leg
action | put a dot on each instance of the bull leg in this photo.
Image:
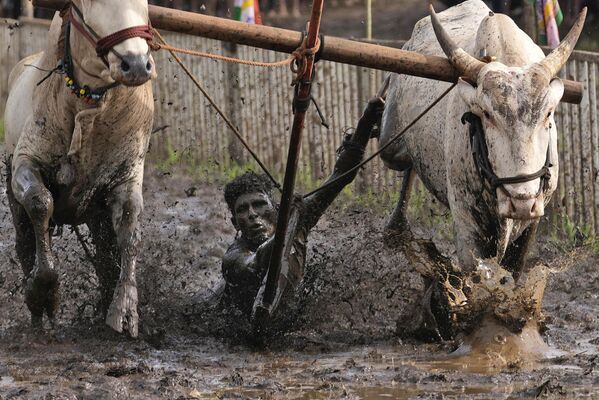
(472, 242)
(106, 258)
(517, 251)
(397, 228)
(28, 190)
(24, 243)
(126, 204)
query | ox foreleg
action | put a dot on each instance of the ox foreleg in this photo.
(516, 254)
(471, 239)
(106, 257)
(29, 191)
(397, 229)
(126, 204)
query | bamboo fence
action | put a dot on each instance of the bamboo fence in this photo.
(258, 100)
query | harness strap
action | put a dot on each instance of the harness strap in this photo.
(104, 45)
(83, 28)
(480, 154)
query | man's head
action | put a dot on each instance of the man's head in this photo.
(249, 198)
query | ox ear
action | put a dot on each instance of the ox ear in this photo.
(467, 91)
(556, 89)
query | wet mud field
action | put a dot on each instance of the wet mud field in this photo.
(347, 339)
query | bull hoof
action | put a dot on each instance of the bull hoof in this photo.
(122, 313)
(394, 238)
(37, 322)
(42, 296)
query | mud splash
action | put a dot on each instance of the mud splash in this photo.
(358, 300)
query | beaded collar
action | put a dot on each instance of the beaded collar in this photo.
(65, 67)
(85, 93)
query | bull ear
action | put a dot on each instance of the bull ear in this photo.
(467, 91)
(556, 88)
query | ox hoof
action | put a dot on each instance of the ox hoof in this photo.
(122, 313)
(37, 322)
(42, 296)
(393, 238)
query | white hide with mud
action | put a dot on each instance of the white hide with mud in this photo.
(514, 93)
(78, 163)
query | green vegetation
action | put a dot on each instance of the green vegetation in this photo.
(423, 208)
(567, 235)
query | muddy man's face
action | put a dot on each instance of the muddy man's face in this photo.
(254, 216)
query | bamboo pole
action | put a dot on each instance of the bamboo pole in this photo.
(335, 49)
(594, 138)
(586, 148)
(576, 155)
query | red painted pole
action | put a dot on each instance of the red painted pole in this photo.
(301, 102)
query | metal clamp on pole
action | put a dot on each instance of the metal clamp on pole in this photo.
(300, 104)
(303, 83)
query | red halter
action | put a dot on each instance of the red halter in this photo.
(105, 45)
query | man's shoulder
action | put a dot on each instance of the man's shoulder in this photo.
(239, 247)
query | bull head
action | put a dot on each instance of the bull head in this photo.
(128, 62)
(516, 106)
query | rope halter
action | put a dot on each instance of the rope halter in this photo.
(105, 45)
(490, 180)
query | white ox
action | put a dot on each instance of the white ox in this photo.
(79, 158)
(514, 96)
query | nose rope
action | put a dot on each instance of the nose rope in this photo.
(490, 180)
(105, 45)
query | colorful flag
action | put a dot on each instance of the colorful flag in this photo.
(247, 11)
(549, 17)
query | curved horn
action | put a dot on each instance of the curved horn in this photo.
(466, 65)
(558, 57)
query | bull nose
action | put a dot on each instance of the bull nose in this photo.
(136, 69)
(525, 208)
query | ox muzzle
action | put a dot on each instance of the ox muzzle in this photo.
(133, 69)
(514, 206)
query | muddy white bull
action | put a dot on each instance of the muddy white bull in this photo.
(497, 200)
(76, 141)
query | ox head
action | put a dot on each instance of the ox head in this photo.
(516, 107)
(129, 61)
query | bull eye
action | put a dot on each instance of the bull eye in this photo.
(486, 114)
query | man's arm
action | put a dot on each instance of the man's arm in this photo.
(242, 267)
(349, 155)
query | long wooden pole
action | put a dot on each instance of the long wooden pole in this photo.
(335, 49)
(301, 102)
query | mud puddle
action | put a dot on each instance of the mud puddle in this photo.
(209, 369)
(358, 300)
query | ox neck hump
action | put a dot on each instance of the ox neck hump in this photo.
(500, 37)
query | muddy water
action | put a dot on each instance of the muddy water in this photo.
(74, 368)
(358, 300)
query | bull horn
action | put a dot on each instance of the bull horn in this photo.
(466, 65)
(558, 57)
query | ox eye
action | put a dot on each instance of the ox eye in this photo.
(486, 114)
(549, 114)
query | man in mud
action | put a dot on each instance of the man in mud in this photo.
(254, 215)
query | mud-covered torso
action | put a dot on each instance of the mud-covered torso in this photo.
(84, 151)
(243, 289)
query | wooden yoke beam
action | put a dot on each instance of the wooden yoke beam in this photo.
(335, 49)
